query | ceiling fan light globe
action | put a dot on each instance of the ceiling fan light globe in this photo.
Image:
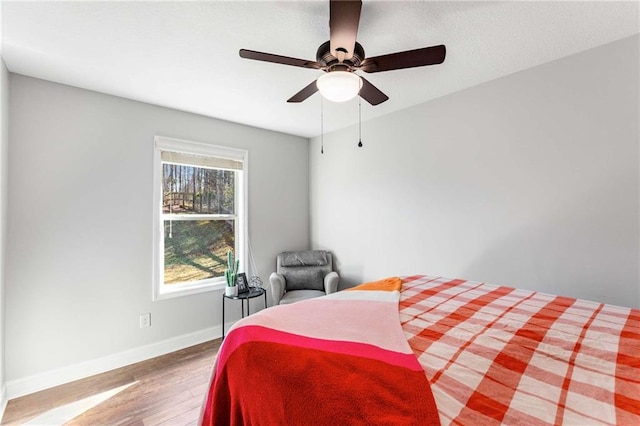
(339, 86)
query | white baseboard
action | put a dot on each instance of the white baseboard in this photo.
(3, 400)
(24, 386)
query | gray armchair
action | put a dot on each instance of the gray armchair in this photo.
(302, 275)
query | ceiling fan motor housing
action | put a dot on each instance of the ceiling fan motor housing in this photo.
(324, 56)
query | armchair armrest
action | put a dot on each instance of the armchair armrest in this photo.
(277, 287)
(331, 281)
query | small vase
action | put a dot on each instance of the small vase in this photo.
(231, 291)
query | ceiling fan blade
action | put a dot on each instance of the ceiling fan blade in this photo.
(344, 18)
(411, 58)
(277, 59)
(309, 90)
(371, 93)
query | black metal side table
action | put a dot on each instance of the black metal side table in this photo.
(253, 292)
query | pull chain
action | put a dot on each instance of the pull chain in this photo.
(359, 122)
(321, 125)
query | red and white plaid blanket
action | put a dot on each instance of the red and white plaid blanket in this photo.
(500, 355)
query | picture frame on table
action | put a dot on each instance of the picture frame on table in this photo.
(242, 283)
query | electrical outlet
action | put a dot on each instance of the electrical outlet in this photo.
(145, 320)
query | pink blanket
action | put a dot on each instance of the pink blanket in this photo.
(340, 359)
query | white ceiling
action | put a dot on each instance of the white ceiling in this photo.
(184, 55)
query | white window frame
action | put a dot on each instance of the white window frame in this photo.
(161, 143)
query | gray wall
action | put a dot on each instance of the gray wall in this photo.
(79, 259)
(531, 180)
(4, 146)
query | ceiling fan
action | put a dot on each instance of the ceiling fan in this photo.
(342, 55)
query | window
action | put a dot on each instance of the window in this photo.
(199, 215)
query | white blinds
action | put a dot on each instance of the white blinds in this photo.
(199, 160)
(177, 151)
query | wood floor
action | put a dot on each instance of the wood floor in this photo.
(167, 390)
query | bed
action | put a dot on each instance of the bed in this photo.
(430, 350)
